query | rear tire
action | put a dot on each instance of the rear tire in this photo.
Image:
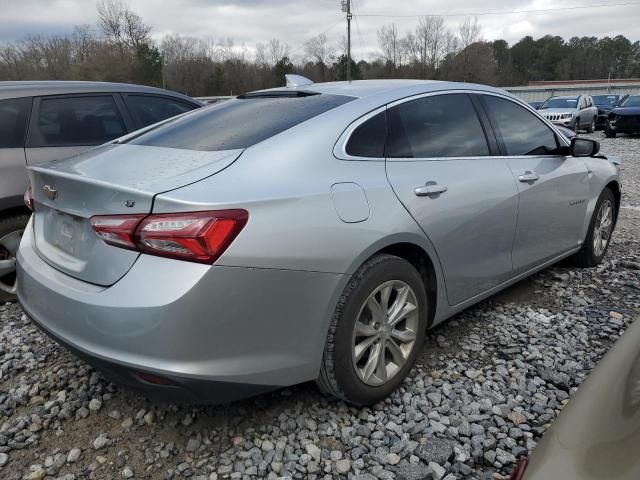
(599, 234)
(364, 333)
(11, 229)
(610, 134)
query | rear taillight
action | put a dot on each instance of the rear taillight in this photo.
(195, 236)
(117, 230)
(28, 198)
(518, 473)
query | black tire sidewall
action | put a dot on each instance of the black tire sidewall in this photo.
(349, 383)
(8, 225)
(592, 257)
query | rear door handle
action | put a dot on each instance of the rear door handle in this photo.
(432, 189)
(528, 177)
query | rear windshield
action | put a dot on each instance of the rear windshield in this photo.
(239, 123)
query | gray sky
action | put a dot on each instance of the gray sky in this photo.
(252, 21)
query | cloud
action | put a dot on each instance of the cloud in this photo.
(249, 22)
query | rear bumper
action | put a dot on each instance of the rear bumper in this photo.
(218, 333)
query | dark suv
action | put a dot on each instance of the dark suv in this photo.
(49, 120)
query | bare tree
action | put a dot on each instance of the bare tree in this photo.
(318, 49)
(393, 47)
(469, 32)
(121, 25)
(276, 51)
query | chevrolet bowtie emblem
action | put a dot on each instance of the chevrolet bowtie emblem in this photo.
(51, 193)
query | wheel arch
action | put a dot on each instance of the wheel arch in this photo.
(416, 250)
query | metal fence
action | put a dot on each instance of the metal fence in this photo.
(539, 93)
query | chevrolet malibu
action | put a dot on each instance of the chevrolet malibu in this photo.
(311, 232)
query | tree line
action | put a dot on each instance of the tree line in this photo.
(120, 49)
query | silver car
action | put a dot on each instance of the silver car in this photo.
(312, 232)
(48, 120)
(574, 112)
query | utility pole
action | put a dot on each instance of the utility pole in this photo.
(346, 7)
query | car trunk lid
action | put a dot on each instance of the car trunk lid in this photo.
(110, 180)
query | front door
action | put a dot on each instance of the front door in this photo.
(553, 188)
(439, 165)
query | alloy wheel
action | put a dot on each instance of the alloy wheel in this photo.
(385, 332)
(8, 249)
(602, 228)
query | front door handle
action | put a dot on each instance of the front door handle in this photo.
(528, 177)
(430, 189)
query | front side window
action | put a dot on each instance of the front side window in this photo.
(69, 121)
(522, 132)
(367, 140)
(435, 126)
(239, 123)
(148, 109)
(14, 116)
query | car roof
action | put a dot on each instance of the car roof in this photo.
(34, 88)
(390, 88)
(568, 97)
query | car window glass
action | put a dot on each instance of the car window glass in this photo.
(436, 126)
(150, 109)
(560, 102)
(522, 132)
(368, 139)
(14, 116)
(70, 121)
(239, 123)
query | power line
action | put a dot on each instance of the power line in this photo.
(358, 29)
(482, 14)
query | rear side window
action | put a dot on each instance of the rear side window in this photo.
(148, 109)
(68, 121)
(14, 116)
(368, 139)
(436, 126)
(239, 123)
(522, 132)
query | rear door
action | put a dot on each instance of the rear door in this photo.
(440, 165)
(149, 109)
(553, 188)
(65, 125)
(14, 117)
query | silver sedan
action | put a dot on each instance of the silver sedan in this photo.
(312, 232)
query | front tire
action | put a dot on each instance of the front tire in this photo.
(599, 234)
(376, 333)
(610, 134)
(576, 127)
(592, 126)
(11, 229)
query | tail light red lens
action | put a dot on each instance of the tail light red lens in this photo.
(194, 236)
(28, 198)
(117, 230)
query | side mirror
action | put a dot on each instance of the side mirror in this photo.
(584, 147)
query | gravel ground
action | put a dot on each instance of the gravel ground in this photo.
(489, 383)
